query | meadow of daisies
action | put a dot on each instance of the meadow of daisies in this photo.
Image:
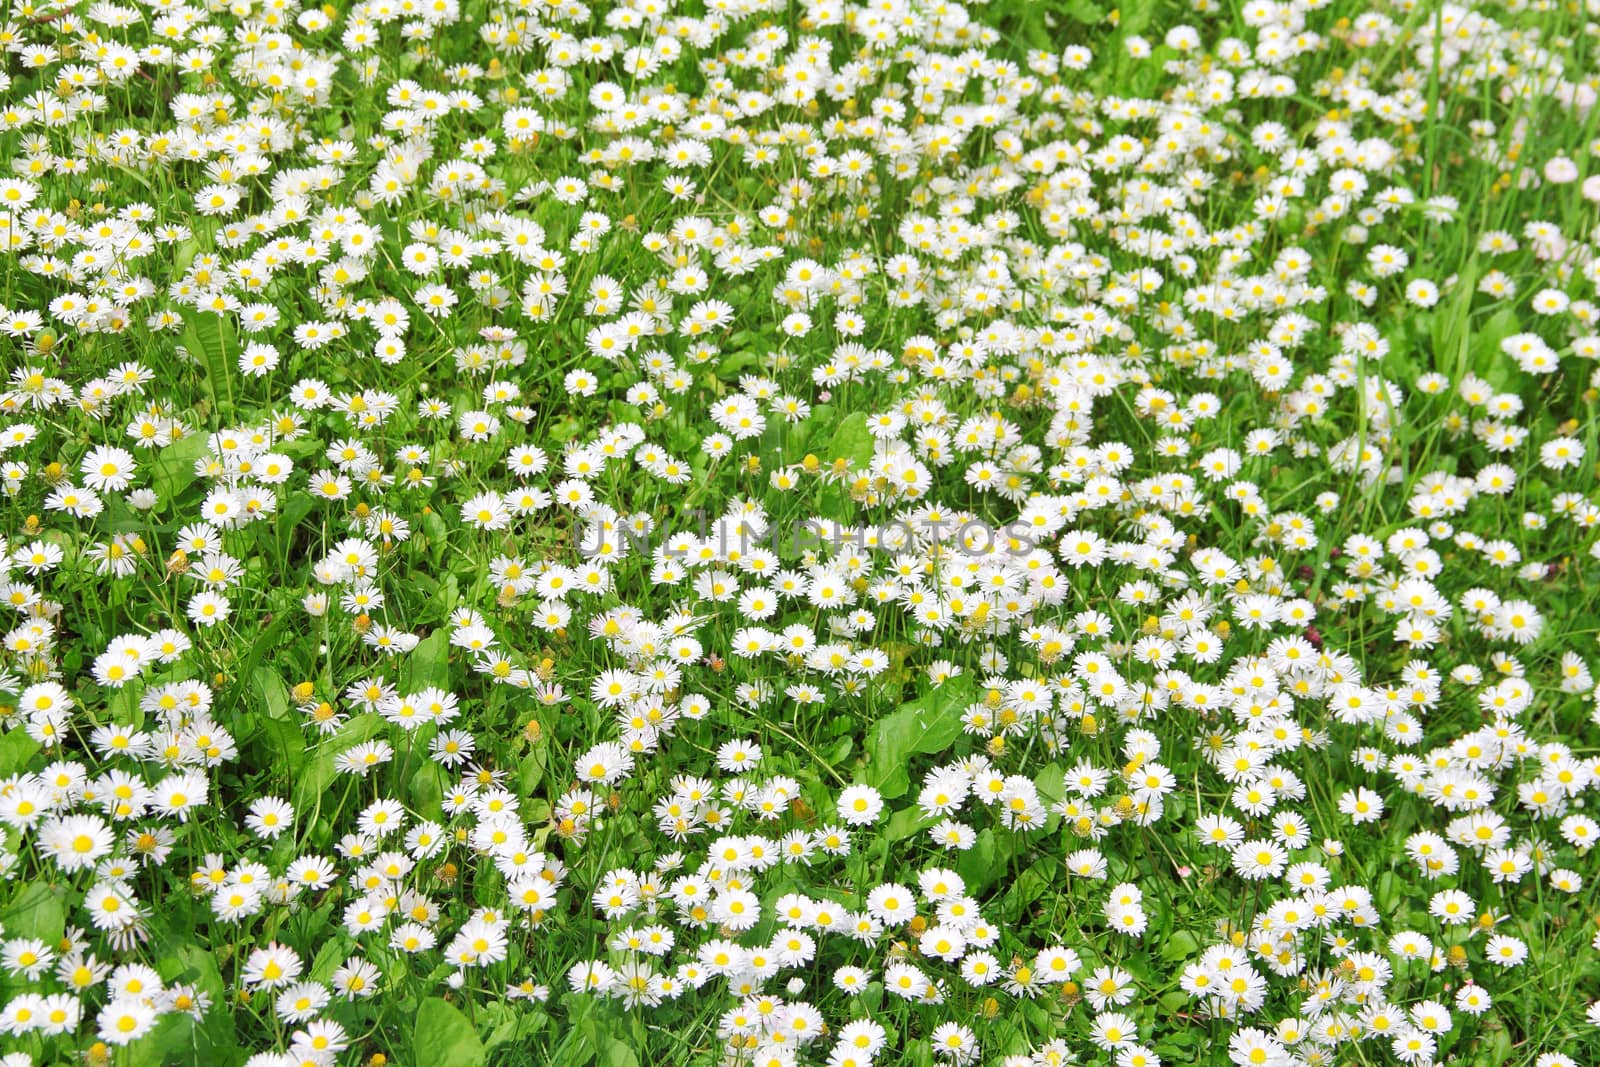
(758, 533)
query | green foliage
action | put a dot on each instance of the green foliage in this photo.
(443, 1035)
(926, 726)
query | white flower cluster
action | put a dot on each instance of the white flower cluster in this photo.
(834, 533)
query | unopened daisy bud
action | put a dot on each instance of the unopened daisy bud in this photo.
(1088, 725)
(178, 562)
(533, 732)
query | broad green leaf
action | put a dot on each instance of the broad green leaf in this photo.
(1179, 946)
(1134, 18)
(614, 1053)
(296, 506)
(1027, 887)
(272, 692)
(328, 959)
(178, 1040)
(320, 772)
(16, 749)
(173, 470)
(851, 441)
(1497, 368)
(199, 967)
(928, 725)
(1084, 11)
(209, 340)
(532, 770)
(1051, 781)
(426, 787)
(444, 1037)
(625, 413)
(173, 1036)
(39, 910)
(734, 362)
(906, 822)
(429, 663)
(979, 865)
